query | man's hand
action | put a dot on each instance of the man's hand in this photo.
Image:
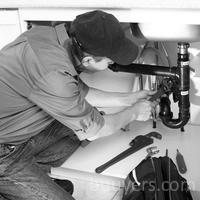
(143, 109)
(144, 94)
(134, 97)
(99, 98)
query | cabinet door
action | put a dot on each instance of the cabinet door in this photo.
(9, 26)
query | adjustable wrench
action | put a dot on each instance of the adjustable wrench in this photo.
(136, 144)
(164, 88)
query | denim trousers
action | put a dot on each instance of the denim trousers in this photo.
(24, 168)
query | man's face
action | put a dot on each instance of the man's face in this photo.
(92, 64)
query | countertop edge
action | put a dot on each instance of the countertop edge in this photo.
(115, 4)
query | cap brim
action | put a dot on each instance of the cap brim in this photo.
(126, 54)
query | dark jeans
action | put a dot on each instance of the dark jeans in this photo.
(24, 167)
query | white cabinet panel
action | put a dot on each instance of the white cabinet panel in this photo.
(9, 26)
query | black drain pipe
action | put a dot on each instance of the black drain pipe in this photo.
(184, 86)
(181, 75)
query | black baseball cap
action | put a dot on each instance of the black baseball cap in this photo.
(100, 34)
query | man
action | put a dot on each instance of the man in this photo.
(46, 110)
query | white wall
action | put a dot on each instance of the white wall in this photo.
(9, 26)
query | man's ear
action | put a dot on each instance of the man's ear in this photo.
(87, 60)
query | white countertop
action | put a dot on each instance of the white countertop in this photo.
(100, 151)
(194, 4)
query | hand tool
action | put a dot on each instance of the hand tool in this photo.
(164, 88)
(151, 151)
(157, 95)
(136, 144)
(181, 162)
(166, 153)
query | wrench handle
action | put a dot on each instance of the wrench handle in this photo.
(116, 159)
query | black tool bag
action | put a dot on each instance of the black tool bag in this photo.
(156, 179)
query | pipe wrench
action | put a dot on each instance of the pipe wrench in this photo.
(136, 144)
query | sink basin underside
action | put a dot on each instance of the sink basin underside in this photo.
(157, 24)
(166, 32)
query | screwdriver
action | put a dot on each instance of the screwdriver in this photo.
(180, 162)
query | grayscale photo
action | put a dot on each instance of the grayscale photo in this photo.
(99, 100)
